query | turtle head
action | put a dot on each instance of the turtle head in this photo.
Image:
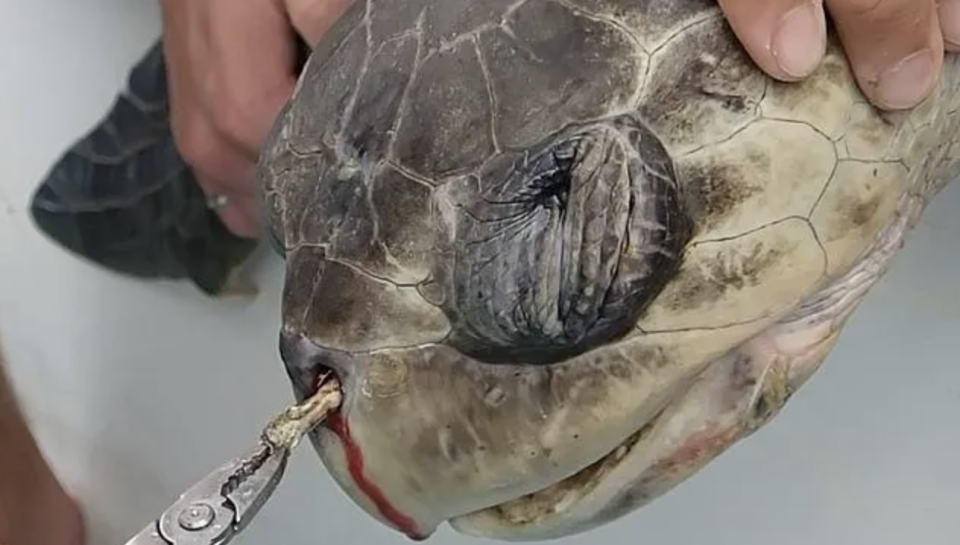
(473, 224)
(481, 324)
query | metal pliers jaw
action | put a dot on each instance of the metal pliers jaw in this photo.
(218, 507)
(222, 504)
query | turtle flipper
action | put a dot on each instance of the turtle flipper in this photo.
(122, 197)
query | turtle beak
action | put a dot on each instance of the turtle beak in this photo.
(303, 366)
(306, 362)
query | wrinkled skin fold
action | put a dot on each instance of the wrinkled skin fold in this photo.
(563, 253)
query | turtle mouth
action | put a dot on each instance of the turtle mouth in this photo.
(307, 380)
(543, 507)
(415, 455)
(533, 511)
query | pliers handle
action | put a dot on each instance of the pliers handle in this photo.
(219, 506)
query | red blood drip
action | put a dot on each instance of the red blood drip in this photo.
(336, 423)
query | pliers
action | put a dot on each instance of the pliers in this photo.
(221, 505)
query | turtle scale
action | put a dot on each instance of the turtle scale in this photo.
(453, 77)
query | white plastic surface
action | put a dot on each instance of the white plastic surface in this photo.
(136, 390)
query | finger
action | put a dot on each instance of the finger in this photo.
(786, 38)
(251, 73)
(240, 218)
(894, 46)
(313, 19)
(221, 171)
(220, 167)
(238, 212)
(948, 14)
(211, 156)
(198, 142)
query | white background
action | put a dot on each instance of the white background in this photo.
(138, 389)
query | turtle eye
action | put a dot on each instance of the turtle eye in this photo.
(560, 248)
(548, 179)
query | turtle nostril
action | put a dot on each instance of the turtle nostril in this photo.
(306, 362)
(302, 371)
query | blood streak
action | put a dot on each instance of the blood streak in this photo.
(336, 423)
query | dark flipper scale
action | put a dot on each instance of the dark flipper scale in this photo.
(124, 198)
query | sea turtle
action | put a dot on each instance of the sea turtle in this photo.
(561, 254)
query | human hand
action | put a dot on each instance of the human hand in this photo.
(41, 513)
(231, 66)
(895, 47)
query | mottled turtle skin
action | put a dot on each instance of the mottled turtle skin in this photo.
(563, 253)
(122, 197)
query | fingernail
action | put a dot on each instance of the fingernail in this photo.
(800, 40)
(907, 83)
(949, 14)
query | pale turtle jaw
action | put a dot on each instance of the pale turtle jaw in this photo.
(508, 520)
(693, 429)
(546, 514)
(588, 498)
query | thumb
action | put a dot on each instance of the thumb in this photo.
(786, 38)
(312, 19)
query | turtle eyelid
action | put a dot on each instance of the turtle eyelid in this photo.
(562, 250)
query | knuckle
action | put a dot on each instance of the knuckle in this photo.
(864, 8)
(202, 150)
(313, 19)
(232, 115)
(877, 9)
(195, 143)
